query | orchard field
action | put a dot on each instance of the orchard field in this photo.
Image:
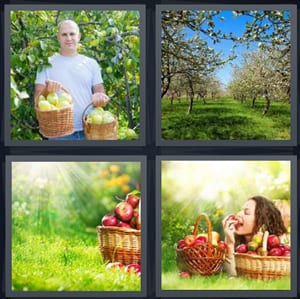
(56, 207)
(224, 119)
(228, 74)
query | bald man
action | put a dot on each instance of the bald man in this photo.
(79, 74)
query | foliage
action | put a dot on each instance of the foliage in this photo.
(57, 196)
(187, 58)
(224, 119)
(33, 40)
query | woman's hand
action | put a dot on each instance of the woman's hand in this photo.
(100, 99)
(229, 230)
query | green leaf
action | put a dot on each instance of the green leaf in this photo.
(23, 95)
(31, 58)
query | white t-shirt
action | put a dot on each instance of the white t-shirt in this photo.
(78, 74)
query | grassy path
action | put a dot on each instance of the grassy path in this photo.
(224, 119)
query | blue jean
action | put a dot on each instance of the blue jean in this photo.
(79, 135)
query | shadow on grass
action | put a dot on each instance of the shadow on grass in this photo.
(223, 120)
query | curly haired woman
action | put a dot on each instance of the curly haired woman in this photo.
(257, 211)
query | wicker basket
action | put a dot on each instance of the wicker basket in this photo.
(262, 267)
(54, 123)
(118, 244)
(203, 259)
(107, 131)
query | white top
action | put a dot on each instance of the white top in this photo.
(78, 74)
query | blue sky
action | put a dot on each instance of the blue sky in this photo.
(232, 24)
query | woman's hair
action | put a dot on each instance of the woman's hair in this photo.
(267, 214)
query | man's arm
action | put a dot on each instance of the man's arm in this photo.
(99, 97)
(38, 88)
(98, 88)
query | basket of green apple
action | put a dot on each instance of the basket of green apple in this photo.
(99, 124)
(202, 254)
(54, 112)
(265, 257)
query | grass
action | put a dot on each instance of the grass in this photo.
(225, 119)
(172, 281)
(56, 263)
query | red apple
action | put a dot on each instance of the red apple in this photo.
(273, 241)
(185, 274)
(109, 220)
(222, 245)
(135, 220)
(133, 268)
(114, 265)
(284, 247)
(124, 224)
(202, 238)
(181, 244)
(242, 248)
(133, 199)
(236, 219)
(276, 251)
(124, 211)
(197, 242)
(189, 240)
(286, 253)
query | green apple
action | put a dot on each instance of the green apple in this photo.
(62, 104)
(52, 98)
(42, 98)
(130, 134)
(258, 238)
(252, 246)
(109, 70)
(108, 117)
(96, 118)
(65, 97)
(128, 63)
(45, 105)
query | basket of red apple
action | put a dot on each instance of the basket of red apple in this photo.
(265, 257)
(120, 233)
(99, 124)
(54, 112)
(203, 253)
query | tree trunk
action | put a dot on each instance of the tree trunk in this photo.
(191, 104)
(253, 102)
(268, 102)
(191, 97)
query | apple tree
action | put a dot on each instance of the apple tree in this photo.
(110, 37)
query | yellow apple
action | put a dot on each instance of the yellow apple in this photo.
(45, 106)
(52, 98)
(65, 97)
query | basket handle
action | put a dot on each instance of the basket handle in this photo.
(44, 91)
(84, 111)
(209, 231)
